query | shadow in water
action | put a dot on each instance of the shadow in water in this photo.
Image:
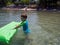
(18, 42)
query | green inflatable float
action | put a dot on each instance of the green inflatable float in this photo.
(7, 32)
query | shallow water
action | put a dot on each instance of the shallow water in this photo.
(44, 26)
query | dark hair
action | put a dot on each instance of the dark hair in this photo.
(24, 15)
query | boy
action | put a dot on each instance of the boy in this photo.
(25, 25)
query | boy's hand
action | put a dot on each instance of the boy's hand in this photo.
(16, 27)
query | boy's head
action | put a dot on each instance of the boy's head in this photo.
(23, 17)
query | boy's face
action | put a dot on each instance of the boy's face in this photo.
(23, 19)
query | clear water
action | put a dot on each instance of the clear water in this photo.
(44, 26)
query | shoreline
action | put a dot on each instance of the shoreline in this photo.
(22, 9)
(31, 9)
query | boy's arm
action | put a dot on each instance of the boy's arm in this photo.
(17, 26)
(21, 24)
